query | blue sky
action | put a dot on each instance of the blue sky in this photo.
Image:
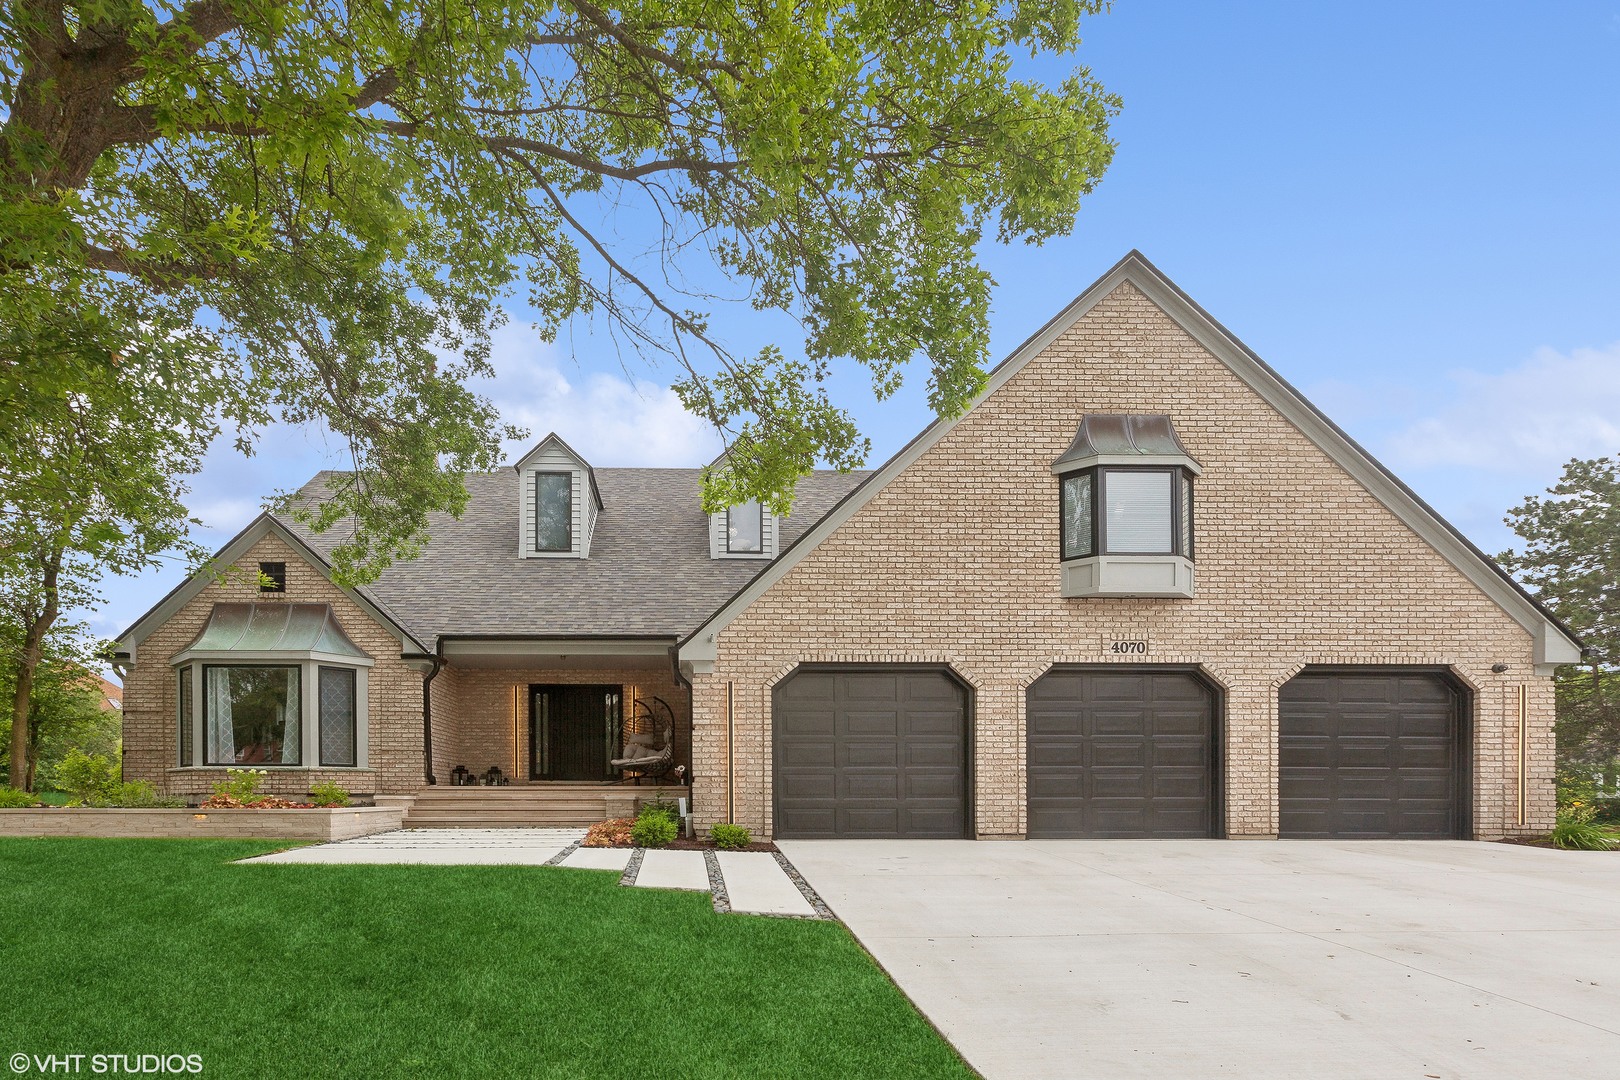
(1411, 210)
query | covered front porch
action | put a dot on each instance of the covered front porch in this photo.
(526, 731)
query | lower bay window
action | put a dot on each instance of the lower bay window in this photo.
(269, 714)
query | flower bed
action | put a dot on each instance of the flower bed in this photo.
(615, 833)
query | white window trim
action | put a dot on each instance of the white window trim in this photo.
(308, 703)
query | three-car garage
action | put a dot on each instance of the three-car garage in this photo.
(1118, 751)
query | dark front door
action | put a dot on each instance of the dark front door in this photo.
(871, 752)
(1116, 753)
(1371, 754)
(574, 731)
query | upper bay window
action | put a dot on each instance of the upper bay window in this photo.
(1125, 509)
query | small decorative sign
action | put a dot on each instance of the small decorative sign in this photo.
(1125, 646)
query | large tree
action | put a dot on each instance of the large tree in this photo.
(219, 213)
(1571, 557)
(342, 192)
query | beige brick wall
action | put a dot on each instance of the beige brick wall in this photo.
(491, 709)
(394, 696)
(956, 562)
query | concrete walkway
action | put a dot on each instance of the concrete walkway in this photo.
(439, 847)
(752, 882)
(1255, 959)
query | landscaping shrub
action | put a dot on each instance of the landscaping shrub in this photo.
(661, 805)
(1577, 831)
(614, 832)
(11, 798)
(135, 795)
(329, 794)
(242, 785)
(730, 837)
(87, 778)
(653, 830)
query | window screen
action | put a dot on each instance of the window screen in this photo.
(1138, 512)
(745, 529)
(1077, 516)
(272, 577)
(553, 511)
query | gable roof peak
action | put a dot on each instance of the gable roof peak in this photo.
(553, 440)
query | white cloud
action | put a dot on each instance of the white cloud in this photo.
(1527, 420)
(610, 418)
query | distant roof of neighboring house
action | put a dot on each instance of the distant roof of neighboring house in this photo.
(649, 572)
(112, 695)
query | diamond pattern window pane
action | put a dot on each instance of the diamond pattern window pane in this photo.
(337, 709)
(185, 717)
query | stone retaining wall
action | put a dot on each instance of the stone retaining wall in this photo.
(336, 823)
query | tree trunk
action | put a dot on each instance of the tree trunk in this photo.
(33, 649)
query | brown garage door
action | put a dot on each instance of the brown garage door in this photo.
(1118, 754)
(871, 752)
(1370, 754)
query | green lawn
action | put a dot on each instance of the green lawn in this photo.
(161, 946)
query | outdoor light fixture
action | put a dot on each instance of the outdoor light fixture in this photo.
(1498, 668)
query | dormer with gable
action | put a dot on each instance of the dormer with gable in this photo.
(557, 502)
(747, 530)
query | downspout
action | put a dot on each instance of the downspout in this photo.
(427, 715)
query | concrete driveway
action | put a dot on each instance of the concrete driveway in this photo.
(1187, 959)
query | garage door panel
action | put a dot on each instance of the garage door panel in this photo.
(810, 754)
(1119, 754)
(933, 755)
(1054, 785)
(930, 719)
(854, 687)
(1113, 721)
(1179, 720)
(807, 785)
(1370, 754)
(1134, 784)
(861, 723)
(898, 765)
(1055, 754)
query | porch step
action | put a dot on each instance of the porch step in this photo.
(533, 806)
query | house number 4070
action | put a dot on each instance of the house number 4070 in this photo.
(1128, 648)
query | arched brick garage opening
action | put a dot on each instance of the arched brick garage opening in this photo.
(1369, 753)
(1122, 752)
(871, 752)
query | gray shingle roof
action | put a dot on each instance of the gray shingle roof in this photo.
(649, 572)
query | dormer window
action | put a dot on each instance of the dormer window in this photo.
(553, 511)
(558, 502)
(1125, 509)
(745, 529)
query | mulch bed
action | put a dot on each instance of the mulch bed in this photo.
(681, 843)
(1538, 841)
